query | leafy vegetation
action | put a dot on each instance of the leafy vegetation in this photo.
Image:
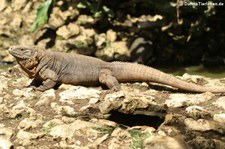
(43, 12)
(96, 8)
(48, 128)
(138, 138)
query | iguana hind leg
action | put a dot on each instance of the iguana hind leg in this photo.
(106, 78)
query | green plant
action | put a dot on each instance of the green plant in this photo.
(48, 128)
(42, 15)
(138, 138)
(96, 8)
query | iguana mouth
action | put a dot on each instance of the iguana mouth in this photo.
(16, 54)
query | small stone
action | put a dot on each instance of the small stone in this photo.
(104, 122)
(4, 84)
(220, 102)
(63, 110)
(18, 4)
(6, 133)
(83, 42)
(165, 142)
(25, 92)
(85, 19)
(4, 4)
(26, 124)
(1, 100)
(219, 117)
(55, 19)
(5, 144)
(18, 109)
(46, 98)
(115, 50)
(203, 125)
(58, 17)
(26, 138)
(22, 81)
(68, 31)
(111, 102)
(67, 131)
(88, 32)
(100, 40)
(17, 21)
(79, 93)
(26, 39)
(179, 99)
(197, 112)
(120, 137)
(8, 59)
(111, 36)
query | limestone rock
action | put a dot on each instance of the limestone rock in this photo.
(4, 84)
(120, 138)
(26, 138)
(219, 117)
(27, 124)
(25, 92)
(88, 32)
(5, 135)
(220, 102)
(203, 125)
(111, 36)
(46, 98)
(111, 102)
(100, 40)
(117, 49)
(5, 144)
(63, 110)
(197, 112)
(79, 92)
(68, 31)
(84, 19)
(165, 142)
(68, 131)
(3, 5)
(58, 17)
(18, 4)
(179, 100)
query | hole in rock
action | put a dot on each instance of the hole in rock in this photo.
(136, 120)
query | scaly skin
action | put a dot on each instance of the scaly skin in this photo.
(53, 68)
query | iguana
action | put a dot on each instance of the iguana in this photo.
(50, 68)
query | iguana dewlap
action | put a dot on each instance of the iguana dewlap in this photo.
(52, 68)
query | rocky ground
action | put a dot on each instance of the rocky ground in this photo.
(139, 116)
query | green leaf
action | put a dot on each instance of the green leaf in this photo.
(42, 14)
(81, 5)
(108, 11)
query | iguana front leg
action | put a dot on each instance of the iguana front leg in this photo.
(106, 78)
(49, 78)
(47, 84)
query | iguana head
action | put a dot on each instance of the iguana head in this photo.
(23, 52)
(26, 56)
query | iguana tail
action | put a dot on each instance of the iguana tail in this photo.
(129, 72)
